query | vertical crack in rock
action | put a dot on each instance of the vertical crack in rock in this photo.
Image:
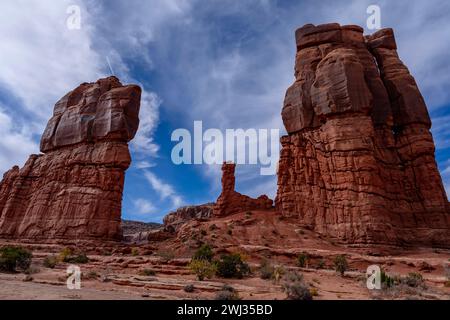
(358, 163)
(73, 190)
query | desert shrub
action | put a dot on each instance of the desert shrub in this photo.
(227, 293)
(135, 252)
(340, 264)
(203, 232)
(386, 280)
(232, 266)
(321, 264)
(147, 272)
(203, 269)
(266, 270)
(230, 232)
(14, 258)
(77, 258)
(314, 292)
(278, 273)
(50, 262)
(413, 279)
(302, 260)
(65, 253)
(294, 287)
(203, 253)
(189, 288)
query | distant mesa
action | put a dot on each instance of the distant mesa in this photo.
(74, 189)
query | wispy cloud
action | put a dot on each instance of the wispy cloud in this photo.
(165, 190)
(143, 207)
(16, 142)
(144, 142)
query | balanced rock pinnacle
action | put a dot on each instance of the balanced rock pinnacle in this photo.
(73, 190)
(358, 163)
(231, 201)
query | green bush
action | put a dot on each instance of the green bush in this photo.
(232, 266)
(302, 260)
(340, 264)
(14, 258)
(203, 253)
(65, 253)
(266, 270)
(77, 259)
(203, 269)
(295, 287)
(50, 262)
(189, 288)
(386, 280)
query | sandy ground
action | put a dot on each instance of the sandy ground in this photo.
(115, 270)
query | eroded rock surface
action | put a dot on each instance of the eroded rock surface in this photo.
(230, 201)
(175, 219)
(74, 189)
(358, 163)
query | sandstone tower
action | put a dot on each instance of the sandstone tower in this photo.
(74, 189)
(358, 162)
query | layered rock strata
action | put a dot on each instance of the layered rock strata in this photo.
(174, 220)
(230, 201)
(358, 161)
(73, 190)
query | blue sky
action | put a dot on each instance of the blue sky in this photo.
(227, 63)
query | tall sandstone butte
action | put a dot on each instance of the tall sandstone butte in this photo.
(358, 162)
(74, 189)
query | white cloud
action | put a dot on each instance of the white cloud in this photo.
(441, 132)
(143, 207)
(149, 117)
(16, 144)
(144, 165)
(42, 60)
(165, 190)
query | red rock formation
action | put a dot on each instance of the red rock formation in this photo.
(74, 190)
(230, 201)
(358, 163)
(175, 219)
